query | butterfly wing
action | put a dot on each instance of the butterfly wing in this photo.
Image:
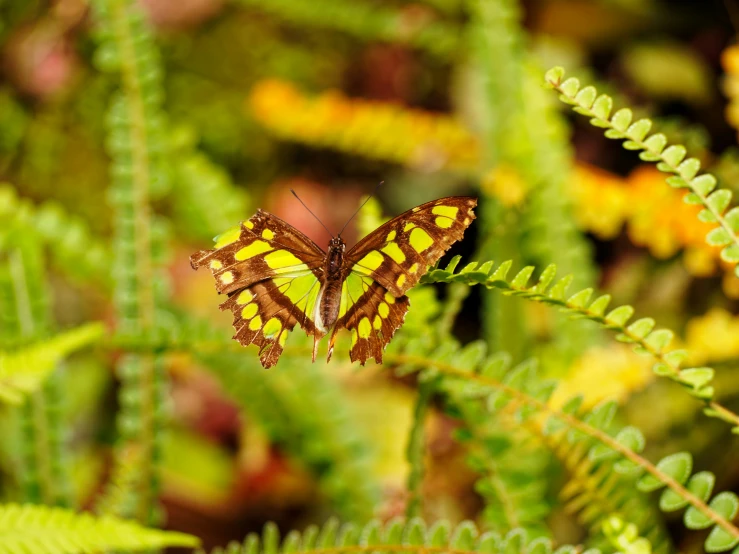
(398, 253)
(372, 315)
(388, 262)
(272, 274)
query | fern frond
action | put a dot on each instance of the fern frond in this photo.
(22, 371)
(412, 537)
(509, 459)
(521, 130)
(365, 21)
(513, 475)
(595, 491)
(670, 159)
(42, 466)
(415, 451)
(641, 333)
(45, 530)
(136, 126)
(483, 379)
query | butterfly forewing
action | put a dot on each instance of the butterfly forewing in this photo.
(272, 274)
(399, 252)
(262, 247)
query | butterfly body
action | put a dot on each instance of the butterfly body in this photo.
(276, 277)
(329, 299)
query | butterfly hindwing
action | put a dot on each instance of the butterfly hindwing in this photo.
(398, 253)
(272, 274)
(372, 315)
(266, 311)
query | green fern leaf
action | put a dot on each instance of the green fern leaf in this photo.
(23, 371)
(46, 530)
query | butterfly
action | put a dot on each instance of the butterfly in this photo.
(276, 277)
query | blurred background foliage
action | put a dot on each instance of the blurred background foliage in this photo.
(132, 132)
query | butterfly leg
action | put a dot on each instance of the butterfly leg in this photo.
(316, 339)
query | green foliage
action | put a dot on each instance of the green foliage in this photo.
(24, 370)
(594, 491)
(670, 159)
(654, 343)
(523, 394)
(204, 196)
(523, 133)
(625, 537)
(74, 248)
(182, 180)
(136, 143)
(416, 448)
(303, 410)
(365, 21)
(30, 371)
(395, 536)
(42, 530)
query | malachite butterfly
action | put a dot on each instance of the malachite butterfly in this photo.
(276, 277)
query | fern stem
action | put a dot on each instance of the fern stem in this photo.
(573, 423)
(26, 326)
(416, 450)
(720, 411)
(140, 175)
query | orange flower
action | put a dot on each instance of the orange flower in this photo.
(660, 220)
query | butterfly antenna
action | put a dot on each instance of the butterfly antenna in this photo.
(311, 213)
(362, 206)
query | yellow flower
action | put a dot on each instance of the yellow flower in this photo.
(505, 184)
(600, 200)
(713, 337)
(612, 372)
